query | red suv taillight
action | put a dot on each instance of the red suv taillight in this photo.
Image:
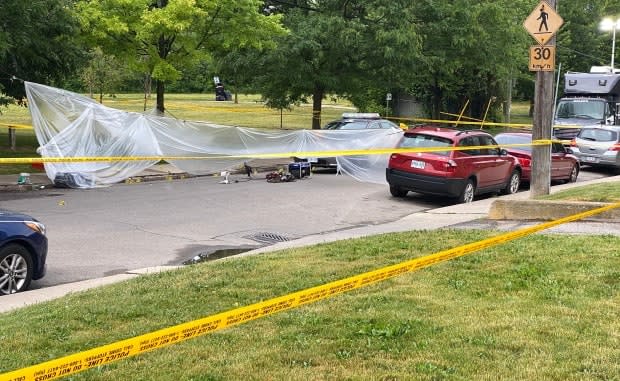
(525, 162)
(450, 166)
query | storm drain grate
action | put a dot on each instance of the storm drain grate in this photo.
(268, 237)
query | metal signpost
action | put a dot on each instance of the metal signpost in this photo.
(542, 24)
(388, 98)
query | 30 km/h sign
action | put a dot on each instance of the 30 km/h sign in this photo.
(543, 22)
(542, 58)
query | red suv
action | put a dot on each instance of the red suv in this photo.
(454, 173)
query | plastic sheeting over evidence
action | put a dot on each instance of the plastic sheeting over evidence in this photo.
(70, 125)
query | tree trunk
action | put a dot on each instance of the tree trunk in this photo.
(160, 95)
(317, 100)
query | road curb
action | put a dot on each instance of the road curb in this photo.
(547, 210)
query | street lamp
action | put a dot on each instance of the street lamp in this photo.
(609, 24)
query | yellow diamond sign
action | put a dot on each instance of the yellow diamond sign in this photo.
(543, 22)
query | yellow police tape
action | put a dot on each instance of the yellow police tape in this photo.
(106, 354)
(377, 151)
(480, 123)
(18, 126)
(425, 120)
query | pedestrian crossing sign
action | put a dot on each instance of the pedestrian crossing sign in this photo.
(543, 22)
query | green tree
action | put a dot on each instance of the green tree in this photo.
(103, 74)
(161, 37)
(445, 52)
(340, 47)
(581, 44)
(471, 48)
(37, 43)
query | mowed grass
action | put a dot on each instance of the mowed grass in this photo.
(250, 111)
(544, 307)
(605, 192)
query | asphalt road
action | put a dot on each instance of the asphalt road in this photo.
(106, 231)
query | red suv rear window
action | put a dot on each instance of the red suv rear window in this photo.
(422, 140)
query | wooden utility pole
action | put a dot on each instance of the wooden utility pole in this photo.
(542, 125)
(542, 24)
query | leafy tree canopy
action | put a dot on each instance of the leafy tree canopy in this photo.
(581, 43)
(37, 43)
(443, 51)
(334, 47)
(162, 37)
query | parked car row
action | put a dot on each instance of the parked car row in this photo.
(462, 173)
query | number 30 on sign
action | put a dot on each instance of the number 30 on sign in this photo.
(542, 58)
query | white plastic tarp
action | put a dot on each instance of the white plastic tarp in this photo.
(69, 125)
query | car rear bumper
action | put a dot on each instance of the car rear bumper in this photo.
(526, 174)
(443, 186)
(326, 162)
(606, 160)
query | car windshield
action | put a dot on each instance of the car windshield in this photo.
(515, 139)
(598, 134)
(580, 110)
(346, 125)
(423, 140)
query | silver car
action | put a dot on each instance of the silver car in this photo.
(351, 121)
(598, 146)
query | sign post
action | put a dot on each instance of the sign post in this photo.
(542, 24)
(388, 98)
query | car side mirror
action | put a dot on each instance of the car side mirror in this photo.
(503, 152)
(568, 150)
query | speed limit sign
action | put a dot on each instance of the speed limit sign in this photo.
(542, 58)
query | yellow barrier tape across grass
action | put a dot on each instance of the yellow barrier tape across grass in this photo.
(379, 151)
(106, 354)
(480, 123)
(425, 120)
(19, 126)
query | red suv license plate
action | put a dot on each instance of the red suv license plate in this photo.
(417, 164)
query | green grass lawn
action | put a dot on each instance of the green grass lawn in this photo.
(606, 192)
(543, 307)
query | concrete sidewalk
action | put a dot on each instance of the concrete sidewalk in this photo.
(471, 215)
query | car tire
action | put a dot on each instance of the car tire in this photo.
(16, 269)
(574, 172)
(468, 193)
(514, 182)
(397, 191)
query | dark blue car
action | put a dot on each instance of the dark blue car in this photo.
(23, 250)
